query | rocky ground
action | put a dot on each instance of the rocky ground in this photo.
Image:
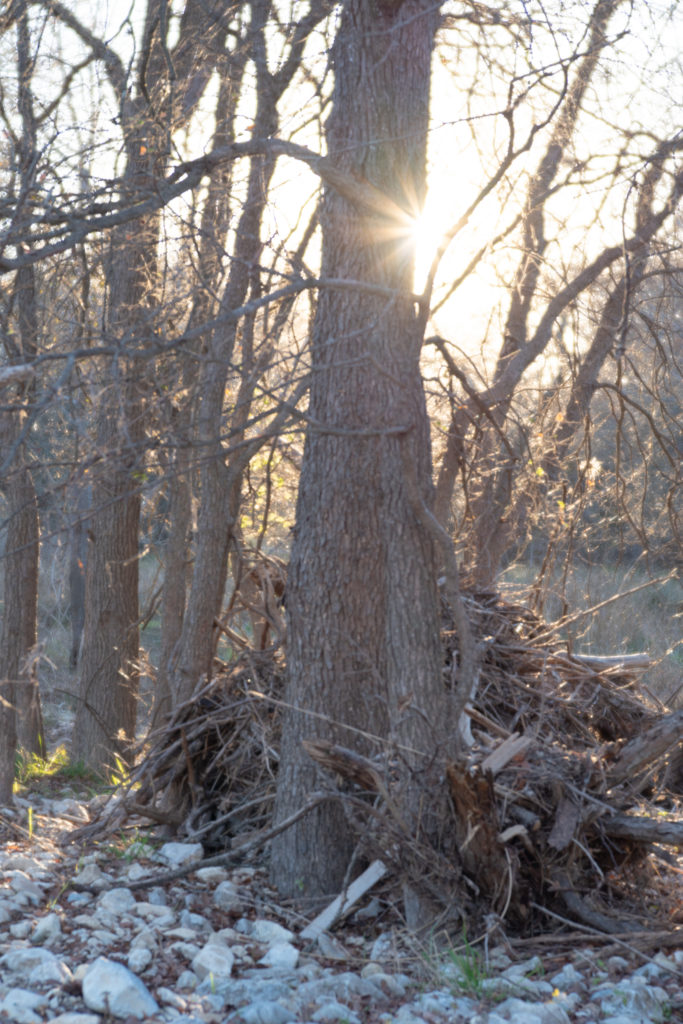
(215, 946)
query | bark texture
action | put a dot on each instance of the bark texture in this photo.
(361, 595)
(169, 85)
(20, 715)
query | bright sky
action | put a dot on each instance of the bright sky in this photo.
(461, 162)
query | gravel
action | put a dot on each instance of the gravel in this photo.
(212, 948)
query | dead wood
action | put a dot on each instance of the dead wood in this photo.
(582, 910)
(542, 798)
(640, 829)
(646, 749)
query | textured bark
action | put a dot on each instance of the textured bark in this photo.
(221, 473)
(220, 480)
(20, 715)
(176, 571)
(105, 720)
(170, 83)
(19, 626)
(78, 554)
(361, 595)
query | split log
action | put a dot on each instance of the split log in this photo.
(646, 749)
(603, 661)
(642, 830)
(509, 750)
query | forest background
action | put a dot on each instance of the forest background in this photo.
(236, 295)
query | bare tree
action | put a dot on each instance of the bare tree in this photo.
(362, 615)
(169, 84)
(19, 624)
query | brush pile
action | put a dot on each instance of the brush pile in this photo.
(553, 807)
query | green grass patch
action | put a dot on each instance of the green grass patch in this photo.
(52, 774)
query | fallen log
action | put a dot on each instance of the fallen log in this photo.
(643, 751)
(603, 661)
(641, 829)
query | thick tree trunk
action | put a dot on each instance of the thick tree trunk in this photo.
(363, 624)
(170, 83)
(176, 573)
(104, 728)
(20, 715)
(78, 555)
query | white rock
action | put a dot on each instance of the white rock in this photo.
(211, 876)
(631, 995)
(47, 930)
(266, 1011)
(92, 877)
(86, 921)
(386, 984)
(178, 854)
(69, 809)
(267, 932)
(227, 897)
(23, 1006)
(532, 1013)
(136, 872)
(213, 960)
(50, 971)
(281, 954)
(145, 939)
(21, 929)
(188, 950)
(159, 916)
(117, 901)
(26, 961)
(187, 980)
(18, 862)
(370, 969)
(109, 987)
(568, 979)
(533, 965)
(139, 959)
(182, 934)
(76, 1018)
(24, 886)
(195, 921)
(330, 1013)
(170, 998)
(384, 947)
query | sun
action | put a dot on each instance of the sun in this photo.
(427, 230)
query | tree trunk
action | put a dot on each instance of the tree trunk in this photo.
(176, 572)
(169, 85)
(20, 714)
(78, 554)
(104, 729)
(363, 623)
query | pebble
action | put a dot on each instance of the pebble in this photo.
(209, 949)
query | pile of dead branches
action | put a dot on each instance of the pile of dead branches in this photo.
(209, 773)
(550, 799)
